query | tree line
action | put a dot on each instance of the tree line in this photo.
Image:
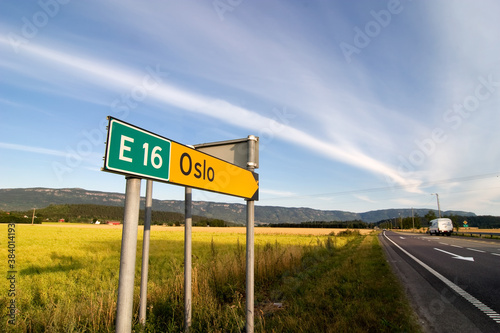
(90, 213)
(417, 222)
(355, 224)
(408, 222)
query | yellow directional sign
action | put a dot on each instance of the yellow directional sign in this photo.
(131, 150)
(193, 168)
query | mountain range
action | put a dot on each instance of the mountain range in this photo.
(22, 199)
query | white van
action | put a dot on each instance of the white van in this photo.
(442, 226)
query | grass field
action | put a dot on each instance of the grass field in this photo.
(68, 277)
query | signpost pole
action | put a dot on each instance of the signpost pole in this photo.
(250, 268)
(145, 252)
(187, 258)
(250, 259)
(125, 302)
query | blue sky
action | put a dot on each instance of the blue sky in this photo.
(359, 105)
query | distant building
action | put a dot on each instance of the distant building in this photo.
(113, 222)
(61, 220)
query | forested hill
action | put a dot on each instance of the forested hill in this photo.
(24, 199)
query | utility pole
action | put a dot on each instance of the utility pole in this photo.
(412, 219)
(33, 218)
(439, 208)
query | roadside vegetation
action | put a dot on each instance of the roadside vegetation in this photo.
(348, 289)
(68, 279)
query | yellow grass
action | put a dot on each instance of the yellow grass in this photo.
(478, 230)
(68, 273)
(234, 230)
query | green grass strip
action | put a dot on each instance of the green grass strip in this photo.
(351, 289)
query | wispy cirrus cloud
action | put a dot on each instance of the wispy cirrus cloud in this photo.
(32, 149)
(105, 74)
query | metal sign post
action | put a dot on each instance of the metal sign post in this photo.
(127, 256)
(145, 252)
(187, 259)
(250, 269)
(243, 153)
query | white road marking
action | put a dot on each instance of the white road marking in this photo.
(474, 301)
(455, 256)
(496, 254)
(443, 243)
(460, 247)
(476, 250)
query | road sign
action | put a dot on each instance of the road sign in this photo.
(193, 168)
(232, 151)
(465, 224)
(131, 150)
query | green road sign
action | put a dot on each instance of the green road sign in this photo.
(132, 150)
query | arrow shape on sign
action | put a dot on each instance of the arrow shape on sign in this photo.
(193, 168)
(456, 256)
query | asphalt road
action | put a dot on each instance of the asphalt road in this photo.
(452, 282)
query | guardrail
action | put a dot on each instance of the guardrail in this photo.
(477, 234)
